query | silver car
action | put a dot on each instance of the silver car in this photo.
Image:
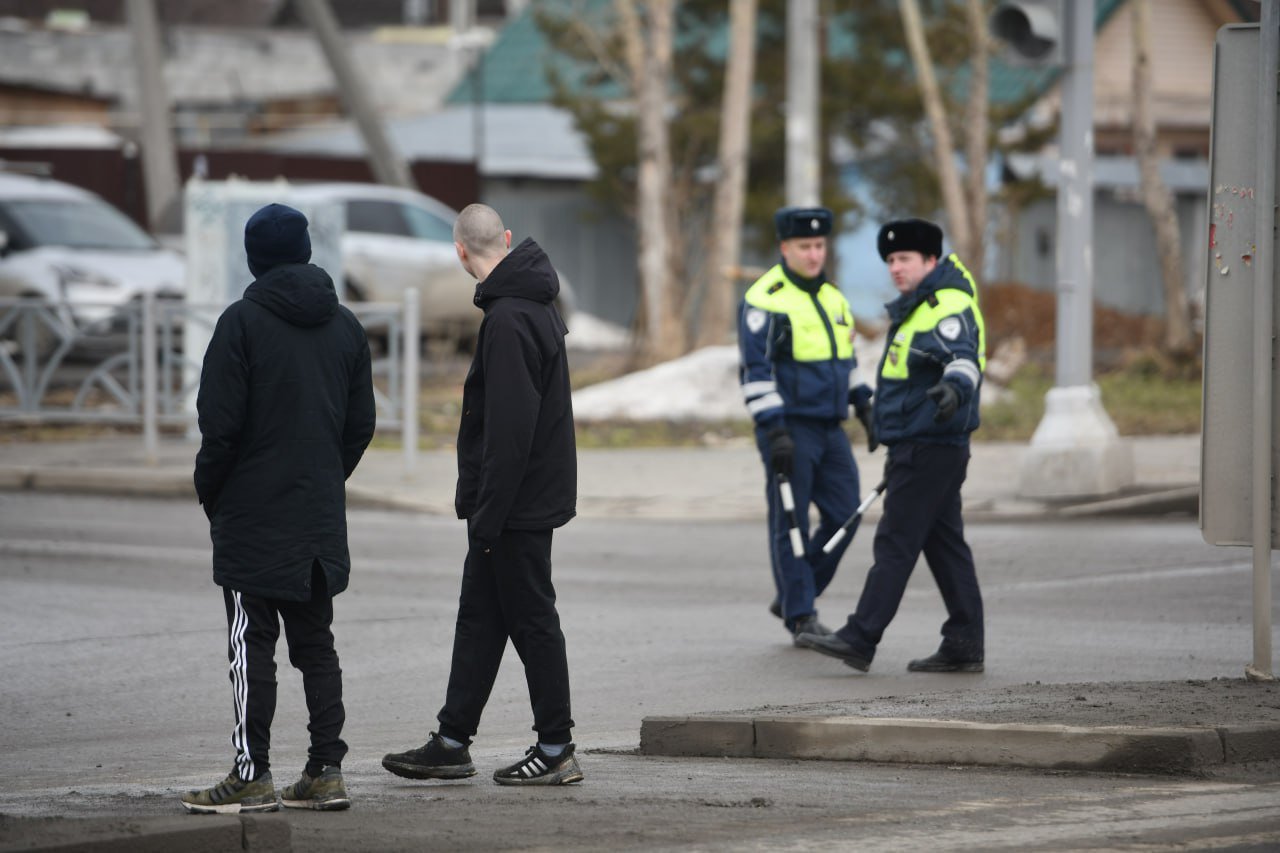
(397, 239)
(69, 248)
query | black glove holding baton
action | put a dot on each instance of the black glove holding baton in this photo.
(860, 399)
(782, 452)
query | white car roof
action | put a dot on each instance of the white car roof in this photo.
(352, 191)
(13, 186)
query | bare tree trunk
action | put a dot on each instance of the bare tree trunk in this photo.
(976, 134)
(1155, 194)
(649, 43)
(944, 150)
(726, 222)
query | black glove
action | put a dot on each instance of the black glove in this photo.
(782, 451)
(947, 399)
(866, 416)
(860, 399)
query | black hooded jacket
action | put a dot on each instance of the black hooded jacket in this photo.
(286, 411)
(517, 460)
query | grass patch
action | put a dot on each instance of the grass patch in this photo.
(1138, 401)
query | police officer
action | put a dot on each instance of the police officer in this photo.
(795, 335)
(926, 406)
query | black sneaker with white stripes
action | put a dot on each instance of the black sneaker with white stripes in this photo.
(537, 768)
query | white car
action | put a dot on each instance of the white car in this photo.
(69, 247)
(397, 239)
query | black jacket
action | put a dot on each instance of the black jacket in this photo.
(517, 460)
(286, 411)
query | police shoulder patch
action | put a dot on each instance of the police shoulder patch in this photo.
(756, 319)
(775, 287)
(950, 328)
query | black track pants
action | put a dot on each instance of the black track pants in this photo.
(507, 593)
(253, 628)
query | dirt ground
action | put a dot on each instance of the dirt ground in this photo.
(1014, 310)
(1220, 701)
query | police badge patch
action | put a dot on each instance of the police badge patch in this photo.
(893, 357)
(950, 328)
(756, 319)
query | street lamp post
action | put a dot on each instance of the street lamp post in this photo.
(1076, 450)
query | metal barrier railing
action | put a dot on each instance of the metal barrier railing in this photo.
(111, 364)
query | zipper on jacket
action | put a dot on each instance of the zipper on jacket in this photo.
(831, 363)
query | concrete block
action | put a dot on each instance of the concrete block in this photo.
(265, 833)
(116, 481)
(1256, 742)
(188, 833)
(957, 742)
(730, 737)
(13, 478)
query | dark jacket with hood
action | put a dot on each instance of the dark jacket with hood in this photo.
(517, 459)
(286, 411)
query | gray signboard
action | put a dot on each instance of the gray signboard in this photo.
(1226, 462)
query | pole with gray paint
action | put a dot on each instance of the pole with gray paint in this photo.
(1264, 324)
(387, 164)
(803, 54)
(159, 158)
(1075, 203)
(409, 424)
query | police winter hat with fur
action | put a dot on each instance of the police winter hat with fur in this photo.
(802, 222)
(275, 235)
(910, 235)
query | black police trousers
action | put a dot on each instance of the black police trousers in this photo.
(921, 515)
(507, 593)
(253, 627)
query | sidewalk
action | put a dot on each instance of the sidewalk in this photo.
(720, 483)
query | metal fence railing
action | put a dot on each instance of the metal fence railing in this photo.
(126, 364)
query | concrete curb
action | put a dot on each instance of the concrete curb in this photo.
(1177, 499)
(190, 833)
(166, 482)
(910, 741)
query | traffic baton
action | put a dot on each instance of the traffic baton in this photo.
(789, 507)
(853, 519)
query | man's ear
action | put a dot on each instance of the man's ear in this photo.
(507, 237)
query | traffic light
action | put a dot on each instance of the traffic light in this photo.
(1031, 30)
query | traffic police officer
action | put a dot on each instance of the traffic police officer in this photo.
(926, 406)
(795, 334)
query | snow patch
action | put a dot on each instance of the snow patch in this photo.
(588, 332)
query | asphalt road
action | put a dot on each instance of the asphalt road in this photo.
(115, 695)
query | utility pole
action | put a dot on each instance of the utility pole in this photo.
(159, 158)
(1076, 450)
(804, 174)
(387, 164)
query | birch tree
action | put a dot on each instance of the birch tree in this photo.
(730, 195)
(648, 35)
(936, 113)
(1156, 197)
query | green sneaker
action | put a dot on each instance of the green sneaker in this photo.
(233, 795)
(324, 793)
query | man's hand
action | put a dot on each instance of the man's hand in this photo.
(866, 416)
(782, 451)
(947, 399)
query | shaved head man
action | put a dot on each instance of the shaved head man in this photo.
(517, 481)
(480, 239)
